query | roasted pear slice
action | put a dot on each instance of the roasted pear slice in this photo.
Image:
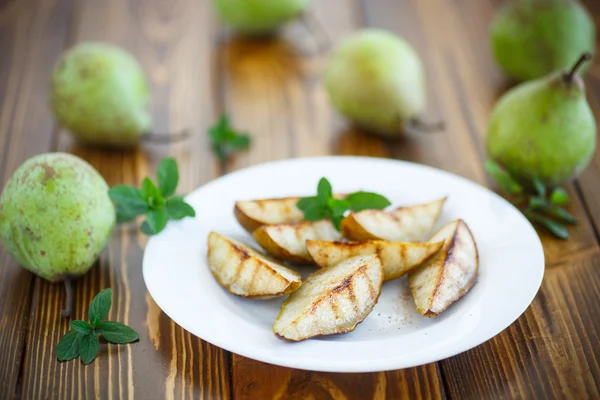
(397, 258)
(332, 300)
(404, 224)
(287, 242)
(253, 214)
(449, 275)
(246, 272)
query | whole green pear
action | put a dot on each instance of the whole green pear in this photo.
(100, 94)
(544, 128)
(532, 38)
(56, 216)
(375, 79)
(258, 16)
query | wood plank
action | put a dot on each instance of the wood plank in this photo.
(274, 92)
(172, 41)
(549, 353)
(31, 35)
(464, 84)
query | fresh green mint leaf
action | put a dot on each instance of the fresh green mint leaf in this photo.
(151, 193)
(68, 346)
(81, 326)
(537, 202)
(561, 214)
(367, 201)
(307, 202)
(89, 346)
(316, 213)
(559, 197)
(178, 209)
(146, 228)
(100, 307)
(115, 332)
(539, 187)
(337, 209)
(503, 178)
(157, 220)
(324, 191)
(129, 199)
(225, 140)
(167, 175)
(554, 227)
(124, 215)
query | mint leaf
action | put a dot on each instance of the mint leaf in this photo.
(146, 228)
(554, 227)
(324, 191)
(337, 209)
(307, 202)
(100, 307)
(503, 178)
(81, 326)
(167, 175)
(559, 197)
(124, 215)
(537, 202)
(115, 332)
(89, 346)
(316, 213)
(157, 220)
(539, 187)
(152, 194)
(561, 214)
(178, 209)
(128, 199)
(365, 200)
(68, 346)
(225, 140)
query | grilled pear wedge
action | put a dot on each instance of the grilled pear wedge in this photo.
(253, 214)
(397, 258)
(449, 275)
(246, 272)
(404, 224)
(332, 300)
(287, 242)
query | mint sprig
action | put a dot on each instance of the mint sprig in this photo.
(538, 204)
(225, 140)
(82, 340)
(157, 201)
(325, 206)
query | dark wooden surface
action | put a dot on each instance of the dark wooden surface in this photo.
(272, 89)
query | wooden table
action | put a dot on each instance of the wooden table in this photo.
(272, 89)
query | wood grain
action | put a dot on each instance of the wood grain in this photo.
(272, 88)
(274, 91)
(25, 130)
(173, 43)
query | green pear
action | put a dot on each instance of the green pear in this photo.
(100, 94)
(544, 128)
(258, 16)
(375, 79)
(532, 38)
(56, 217)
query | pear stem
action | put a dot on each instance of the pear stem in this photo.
(585, 57)
(426, 127)
(162, 138)
(66, 313)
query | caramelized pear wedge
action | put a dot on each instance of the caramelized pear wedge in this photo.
(404, 224)
(287, 242)
(397, 258)
(332, 300)
(246, 272)
(449, 275)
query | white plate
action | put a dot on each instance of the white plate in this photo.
(393, 336)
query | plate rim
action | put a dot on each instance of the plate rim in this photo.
(369, 365)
